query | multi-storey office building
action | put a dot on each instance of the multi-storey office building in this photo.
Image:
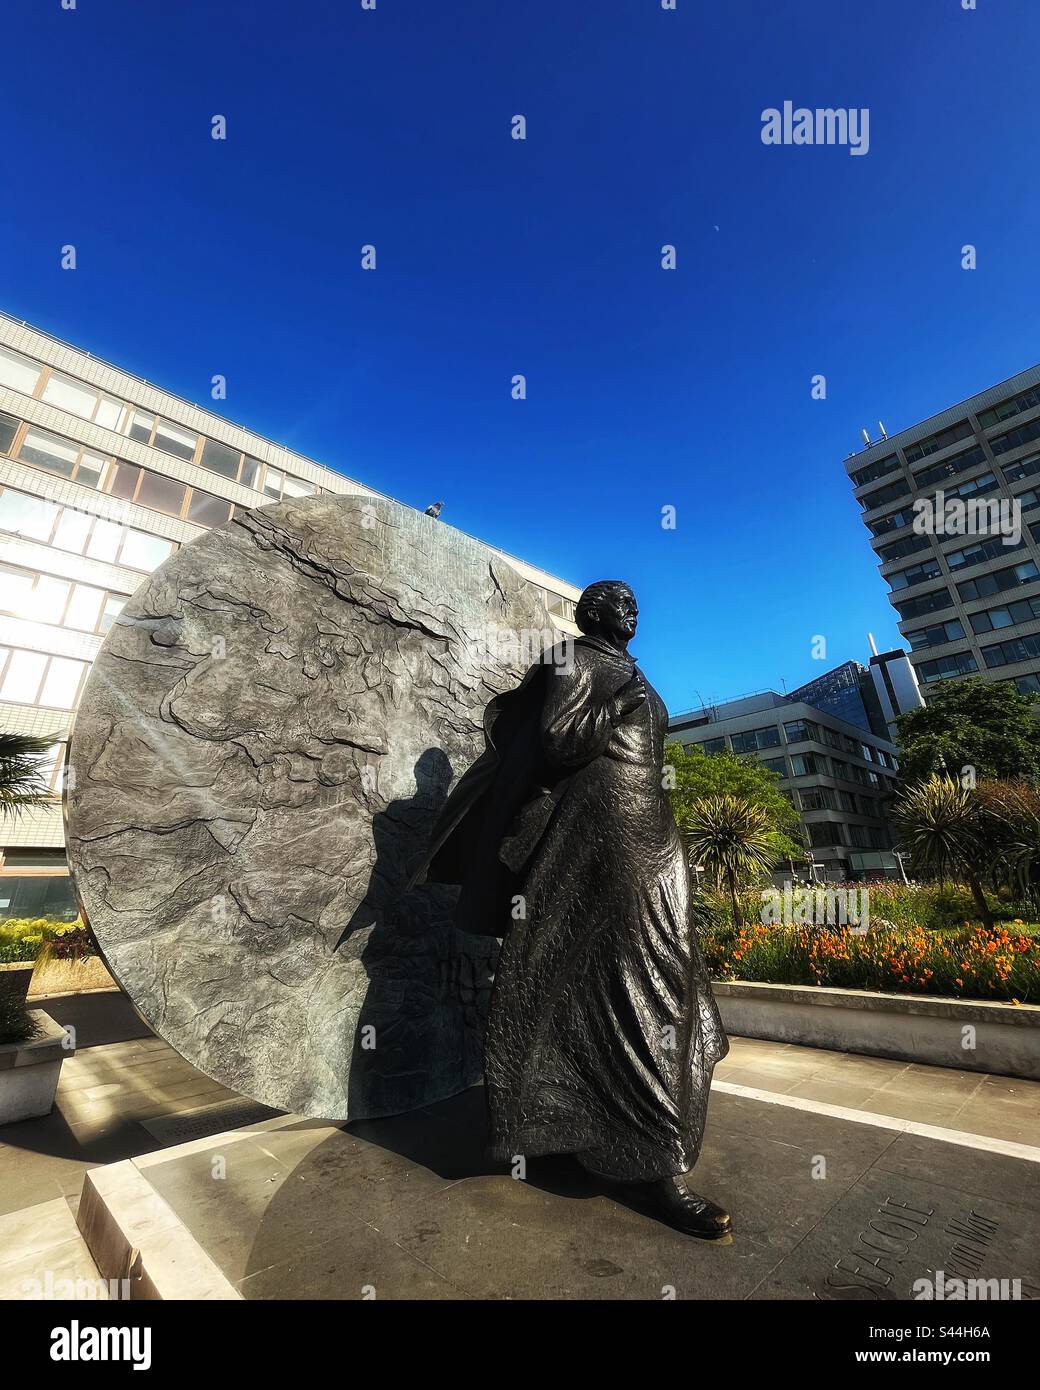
(838, 771)
(966, 582)
(102, 477)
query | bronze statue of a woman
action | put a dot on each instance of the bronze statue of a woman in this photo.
(603, 1030)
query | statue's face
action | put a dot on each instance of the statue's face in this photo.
(618, 615)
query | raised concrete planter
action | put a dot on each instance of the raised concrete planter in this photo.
(86, 976)
(1003, 1039)
(15, 977)
(29, 1072)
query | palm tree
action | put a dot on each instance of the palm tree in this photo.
(945, 827)
(1012, 811)
(732, 838)
(21, 780)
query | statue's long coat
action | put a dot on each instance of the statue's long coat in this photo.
(603, 1031)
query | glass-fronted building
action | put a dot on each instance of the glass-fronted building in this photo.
(102, 477)
(827, 741)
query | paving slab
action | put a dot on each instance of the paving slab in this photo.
(823, 1208)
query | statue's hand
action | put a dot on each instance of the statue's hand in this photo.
(631, 695)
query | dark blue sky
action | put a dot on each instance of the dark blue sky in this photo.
(646, 388)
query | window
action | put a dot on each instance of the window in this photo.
(171, 439)
(1015, 649)
(998, 581)
(934, 636)
(21, 680)
(277, 485)
(925, 603)
(62, 456)
(220, 458)
(1025, 401)
(805, 764)
(50, 452)
(18, 372)
(916, 574)
(1028, 685)
(48, 600)
(8, 430)
(51, 765)
(1014, 438)
(893, 521)
(104, 541)
(909, 545)
(714, 745)
(841, 769)
(1021, 611)
(801, 730)
(958, 664)
(815, 799)
(62, 682)
(950, 467)
(72, 531)
(143, 552)
(112, 609)
(84, 608)
(26, 516)
(875, 470)
(16, 587)
(70, 395)
(973, 485)
(109, 413)
(127, 477)
(881, 495)
(935, 442)
(90, 469)
(825, 835)
(754, 739)
(206, 510)
(1024, 468)
(250, 475)
(80, 532)
(162, 493)
(981, 550)
(139, 426)
(295, 487)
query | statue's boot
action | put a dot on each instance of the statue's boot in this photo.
(687, 1210)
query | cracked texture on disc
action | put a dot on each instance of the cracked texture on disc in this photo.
(261, 748)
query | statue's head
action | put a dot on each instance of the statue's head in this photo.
(608, 609)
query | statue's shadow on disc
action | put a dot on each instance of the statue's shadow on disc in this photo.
(418, 1036)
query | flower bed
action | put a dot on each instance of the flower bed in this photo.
(966, 962)
(61, 956)
(23, 938)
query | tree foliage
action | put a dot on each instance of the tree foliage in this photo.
(971, 723)
(21, 782)
(698, 775)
